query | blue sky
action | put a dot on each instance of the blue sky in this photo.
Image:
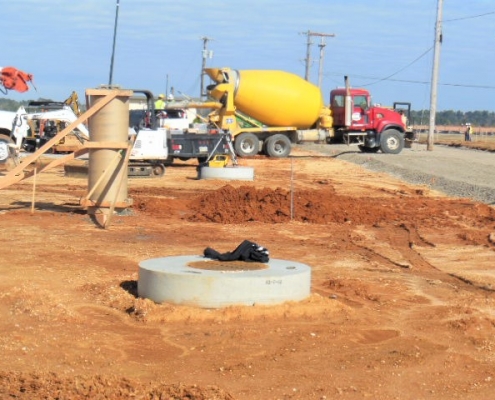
(385, 46)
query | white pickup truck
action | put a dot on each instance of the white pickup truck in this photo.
(6, 119)
(177, 120)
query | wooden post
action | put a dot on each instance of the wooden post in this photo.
(34, 190)
(122, 176)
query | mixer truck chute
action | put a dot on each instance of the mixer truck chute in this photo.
(268, 111)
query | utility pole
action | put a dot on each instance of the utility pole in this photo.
(114, 40)
(205, 54)
(310, 34)
(434, 76)
(320, 65)
(308, 54)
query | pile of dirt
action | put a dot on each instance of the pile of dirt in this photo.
(229, 205)
(52, 386)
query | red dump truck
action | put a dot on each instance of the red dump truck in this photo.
(267, 111)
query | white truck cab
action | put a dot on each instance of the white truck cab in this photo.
(6, 120)
(174, 119)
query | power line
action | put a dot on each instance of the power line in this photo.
(468, 86)
(470, 17)
(387, 78)
(413, 81)
(400, 70)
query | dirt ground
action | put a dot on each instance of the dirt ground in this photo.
(478, 141)
(402, 289)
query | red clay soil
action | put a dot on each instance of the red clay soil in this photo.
(401, 304)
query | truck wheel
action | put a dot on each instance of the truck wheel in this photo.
(158, 170)
(278, 146)
(4, 147)
(391, 141)
(246, 144)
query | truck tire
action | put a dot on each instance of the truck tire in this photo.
(278, 146)
(246, 144)
(391, 141)
(4, 148)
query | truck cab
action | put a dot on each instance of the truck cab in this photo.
(6, 119)
(357, 121)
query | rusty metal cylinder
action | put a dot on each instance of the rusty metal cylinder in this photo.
(107, 167)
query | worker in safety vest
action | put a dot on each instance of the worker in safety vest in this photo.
(160, 103)
(468, 133)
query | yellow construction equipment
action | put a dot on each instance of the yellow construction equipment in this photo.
(219, 161)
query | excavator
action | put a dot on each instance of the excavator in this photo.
(44, 119)
(33, 130)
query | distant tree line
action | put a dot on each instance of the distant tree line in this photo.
(422, 117)
(450, 117)
(11, 105)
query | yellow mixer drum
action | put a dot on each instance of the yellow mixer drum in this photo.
(277, 98)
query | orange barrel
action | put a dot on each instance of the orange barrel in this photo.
(277, 98)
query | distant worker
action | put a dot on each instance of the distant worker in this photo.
(160, 103)
(170, 98)
(468, 132)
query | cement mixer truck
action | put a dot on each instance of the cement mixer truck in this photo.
(267, 111)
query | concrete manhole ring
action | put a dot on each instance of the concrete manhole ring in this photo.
(196, 281)
(227, 173)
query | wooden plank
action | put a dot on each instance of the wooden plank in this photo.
(57, 162)
(123, 175)
(110, 167)
(17, 174)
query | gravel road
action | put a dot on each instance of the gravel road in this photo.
(457, 172)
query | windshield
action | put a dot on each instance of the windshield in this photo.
(361, 101)
(172, 113)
